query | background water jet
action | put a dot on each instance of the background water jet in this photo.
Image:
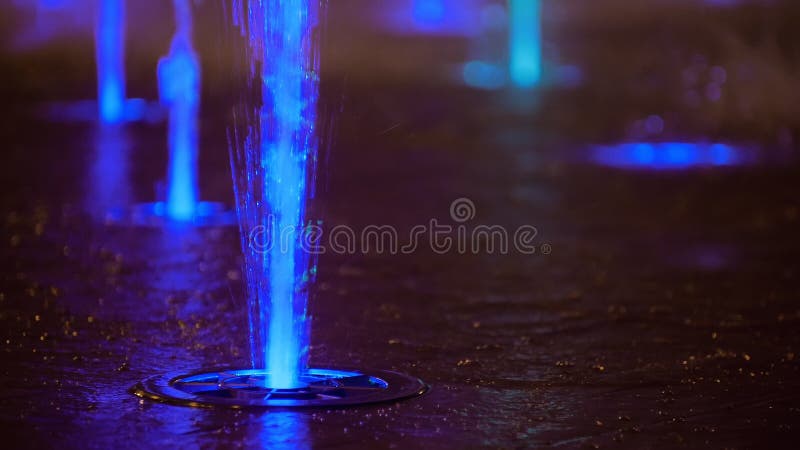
(55, 19)
(179, 86)
(179, 81)
(110, 42)
(273, 169)
(525, 42)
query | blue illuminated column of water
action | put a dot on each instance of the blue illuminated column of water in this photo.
(272, 173)
(525, 42)
(179, 85)
(110, 42)
(289, 96)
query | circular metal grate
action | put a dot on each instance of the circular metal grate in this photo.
(246, 389)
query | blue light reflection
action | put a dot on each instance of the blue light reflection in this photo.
(670, 155)
(108, 184)
(110, 41)
(430, 17)
(283, 430)
(273, 167)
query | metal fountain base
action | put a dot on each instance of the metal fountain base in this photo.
(318, 388)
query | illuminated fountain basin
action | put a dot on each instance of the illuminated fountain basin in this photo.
(247, 389)
(273, 158)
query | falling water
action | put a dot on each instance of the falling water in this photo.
(179, 86)
(110, 41)
(525, 42)
(273, 158)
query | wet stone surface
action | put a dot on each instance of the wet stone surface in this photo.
(663, 315)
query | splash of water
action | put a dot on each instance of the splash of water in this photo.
(525, 40)
(179, 86)
(273, 166)
(110, 42)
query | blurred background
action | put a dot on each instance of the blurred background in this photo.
(705, 67)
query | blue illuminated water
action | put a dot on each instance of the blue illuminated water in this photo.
(110, 41)
(273, 158)
(671, 155)
(483, 75)
(525, 66)
(108, 183)
(430, 12)
(509, 48)
(428, 17)
(179, 85)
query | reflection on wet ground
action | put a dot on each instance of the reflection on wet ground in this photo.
(672, 155)
(663, 315)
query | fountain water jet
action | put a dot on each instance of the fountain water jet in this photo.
(276, 163)
(111, 107)
(508, 49)
(179, 85)
(110, 41)
(525, 42)
(273, 157)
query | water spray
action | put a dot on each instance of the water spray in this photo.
(274, 162)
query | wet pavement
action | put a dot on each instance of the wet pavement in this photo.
(659, 309)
